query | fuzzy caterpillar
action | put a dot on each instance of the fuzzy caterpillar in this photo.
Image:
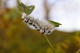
(43, 27)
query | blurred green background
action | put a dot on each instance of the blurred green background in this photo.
(17, 37)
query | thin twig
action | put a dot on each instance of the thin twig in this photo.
(49, 43)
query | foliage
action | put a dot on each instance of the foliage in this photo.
(55, 23)
(27, 9)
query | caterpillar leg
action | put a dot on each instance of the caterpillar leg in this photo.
(30, 22)
(27, 20)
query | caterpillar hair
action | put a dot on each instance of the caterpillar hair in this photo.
(43, 27)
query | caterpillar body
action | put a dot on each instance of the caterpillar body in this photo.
(43, 27)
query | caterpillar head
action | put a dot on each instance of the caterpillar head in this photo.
(23, 16)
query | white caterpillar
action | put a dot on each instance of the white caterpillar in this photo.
(43, 27)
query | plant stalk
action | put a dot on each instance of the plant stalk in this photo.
(49, 43)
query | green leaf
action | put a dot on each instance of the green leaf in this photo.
(27, 9)
(55, 23)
